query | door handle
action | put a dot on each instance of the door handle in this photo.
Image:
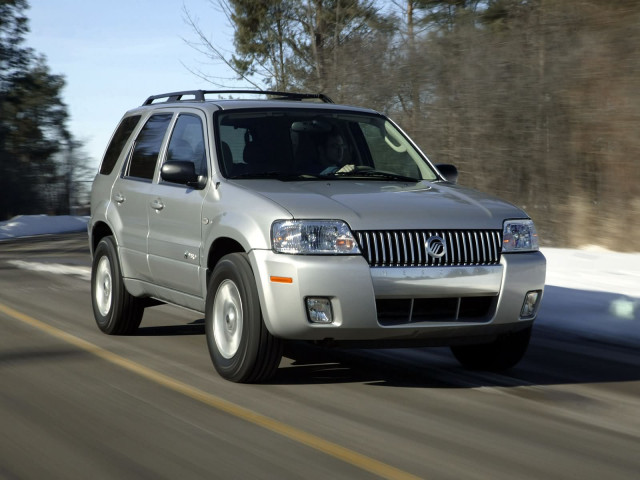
(118, 197)
(157, 204)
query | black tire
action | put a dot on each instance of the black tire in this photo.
(242, 349)
(503, 353)
(116, 311)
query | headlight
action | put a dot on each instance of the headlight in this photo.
(519, 236)
(328, 237)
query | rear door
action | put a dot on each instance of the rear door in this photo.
(175, 218)
(131, 195)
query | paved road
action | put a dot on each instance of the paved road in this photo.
(75, 403)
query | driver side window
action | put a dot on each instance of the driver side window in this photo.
(187, 143)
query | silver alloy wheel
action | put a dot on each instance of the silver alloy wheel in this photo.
(104, 285)
(227, 318)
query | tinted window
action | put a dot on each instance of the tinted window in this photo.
(187, 143)
(117, 143)
(147, 147)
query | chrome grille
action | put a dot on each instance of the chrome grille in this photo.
(408, 248)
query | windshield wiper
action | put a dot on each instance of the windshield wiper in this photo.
(374, 174)
(270, 175)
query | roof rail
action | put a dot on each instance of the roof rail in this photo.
(198, 95)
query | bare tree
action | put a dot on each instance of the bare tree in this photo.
(291, 44)
(535, 100)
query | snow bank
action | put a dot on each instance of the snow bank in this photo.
(594, 269)
(593, 292)
(29, 225)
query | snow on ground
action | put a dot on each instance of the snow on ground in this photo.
(594, 269)
(29, 225)
(592, 292)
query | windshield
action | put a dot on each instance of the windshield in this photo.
(298, 144)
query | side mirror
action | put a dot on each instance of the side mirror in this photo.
(448, 171)
(182, 172)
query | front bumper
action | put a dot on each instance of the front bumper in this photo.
(357, 293)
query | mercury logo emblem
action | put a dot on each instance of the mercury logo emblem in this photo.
(436, 247)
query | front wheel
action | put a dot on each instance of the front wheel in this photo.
(501, 354)
(116, 311)
(241, 348)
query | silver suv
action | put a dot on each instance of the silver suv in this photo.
(293, 218)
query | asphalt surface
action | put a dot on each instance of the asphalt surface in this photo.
(75, 403)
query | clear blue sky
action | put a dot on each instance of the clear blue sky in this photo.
(114, 54)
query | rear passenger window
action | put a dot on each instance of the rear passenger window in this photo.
(118, 141)
(147, 147)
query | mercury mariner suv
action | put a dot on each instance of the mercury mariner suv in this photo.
(288, 217)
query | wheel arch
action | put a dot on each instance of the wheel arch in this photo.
(219, 248)
(98, 232)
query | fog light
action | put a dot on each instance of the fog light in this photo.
(319, 310)
(530, 305)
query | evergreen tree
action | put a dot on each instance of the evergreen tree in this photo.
(33, 133)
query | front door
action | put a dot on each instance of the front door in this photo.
(175, 218)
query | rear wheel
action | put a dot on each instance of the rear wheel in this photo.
(116, 311)
(501, 354)
(241, 347)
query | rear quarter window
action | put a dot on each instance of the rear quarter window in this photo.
(118, 141)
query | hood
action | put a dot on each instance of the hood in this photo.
(375, 205)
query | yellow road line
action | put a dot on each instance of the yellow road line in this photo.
(349, 456)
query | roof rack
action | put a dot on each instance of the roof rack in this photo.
(198, 95)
